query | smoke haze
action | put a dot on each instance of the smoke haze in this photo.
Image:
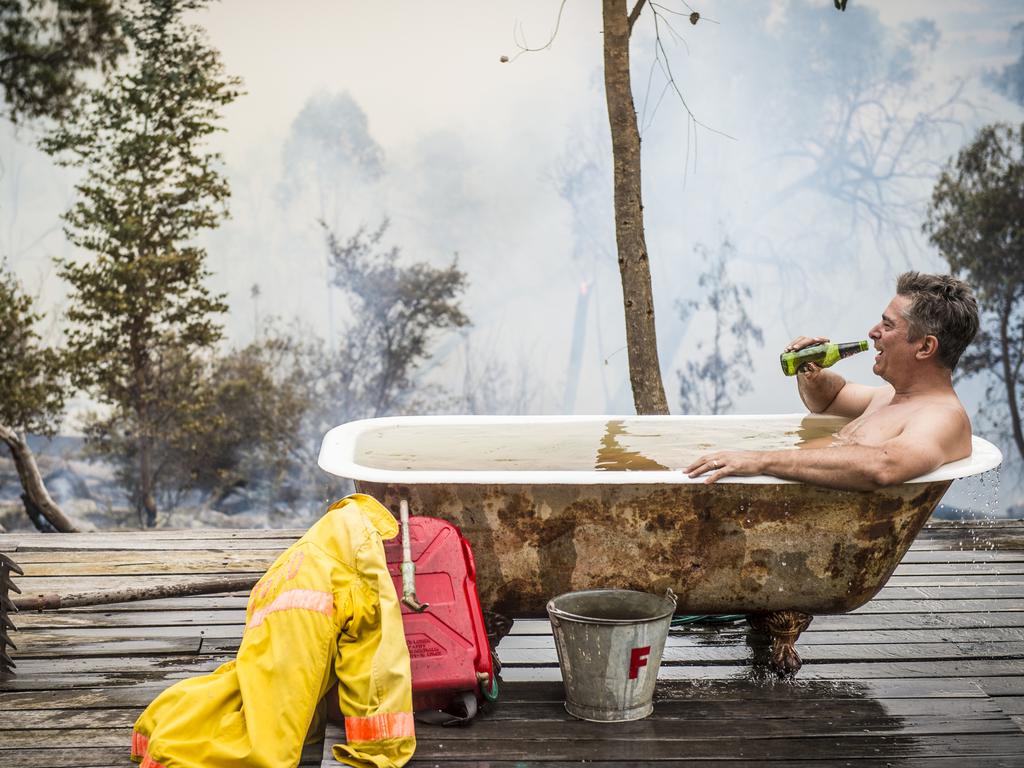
(809, 138)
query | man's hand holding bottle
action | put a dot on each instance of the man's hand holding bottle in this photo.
(809, 368)
(817, 351)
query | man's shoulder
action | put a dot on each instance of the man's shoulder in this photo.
(937, 410)
(943, 417)
(949, 403)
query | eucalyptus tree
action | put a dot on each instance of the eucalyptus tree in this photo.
(634, 261)
(976, 219)
(140, 308)
(32, 391)
(619, 18)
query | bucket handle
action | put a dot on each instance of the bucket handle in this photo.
(556, 611)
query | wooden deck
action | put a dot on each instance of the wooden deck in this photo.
(928, 674)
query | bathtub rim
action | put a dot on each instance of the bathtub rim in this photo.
(337, 456)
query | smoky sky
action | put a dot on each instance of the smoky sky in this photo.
(807, 138)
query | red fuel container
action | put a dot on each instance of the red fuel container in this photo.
(448, 643)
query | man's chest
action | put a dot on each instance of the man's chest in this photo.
(877, 426)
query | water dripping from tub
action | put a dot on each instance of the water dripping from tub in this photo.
(988, 496)
(992, 503)
(981, 512)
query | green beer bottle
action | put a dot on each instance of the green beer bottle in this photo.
(822, 354)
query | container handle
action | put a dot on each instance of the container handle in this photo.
(555, 610)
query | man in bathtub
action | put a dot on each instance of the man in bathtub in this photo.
(911, 425)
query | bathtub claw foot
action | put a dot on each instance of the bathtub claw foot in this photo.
(783, 627)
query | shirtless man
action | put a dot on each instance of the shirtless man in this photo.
(910, 426)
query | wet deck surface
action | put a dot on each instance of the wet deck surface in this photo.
(929, 673)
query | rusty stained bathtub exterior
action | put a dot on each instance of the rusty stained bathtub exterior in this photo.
(723, 548)
(545, 517)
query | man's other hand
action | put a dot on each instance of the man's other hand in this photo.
(723, 463)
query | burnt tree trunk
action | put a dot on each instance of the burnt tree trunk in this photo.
(634, 266)
(32, 481)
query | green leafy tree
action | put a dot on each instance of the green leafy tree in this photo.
(140, 306)
(976, 219)
(173, 411)
(228, 424)
(32, 393)
(46, 45)
(710, 382)
(243, 433)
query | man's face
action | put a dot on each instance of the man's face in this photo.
(895, 355)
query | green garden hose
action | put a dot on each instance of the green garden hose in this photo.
(491, 695)
(728, 618)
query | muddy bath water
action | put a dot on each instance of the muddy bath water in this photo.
(562, 503)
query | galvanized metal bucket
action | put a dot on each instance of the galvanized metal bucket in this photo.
(609, 644)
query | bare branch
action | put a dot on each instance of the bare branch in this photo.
(663, 60)
(524, 48)
(635, 13)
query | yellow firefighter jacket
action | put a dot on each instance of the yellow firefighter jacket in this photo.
(326, 611)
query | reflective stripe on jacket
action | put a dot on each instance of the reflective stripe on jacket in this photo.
(326, 611)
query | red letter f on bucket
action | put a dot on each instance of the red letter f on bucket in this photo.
(637, 659)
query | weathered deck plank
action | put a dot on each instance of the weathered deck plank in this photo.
(929, 674)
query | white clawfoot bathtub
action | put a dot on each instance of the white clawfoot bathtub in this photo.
(553, 504)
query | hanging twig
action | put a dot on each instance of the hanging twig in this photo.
(524, 48)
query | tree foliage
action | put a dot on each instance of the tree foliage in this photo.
(329, 146)
(976, 219)
(32, 387)
(46, 45)
(258, 414)
(140, 306)
(32, 391)
(397, 309)
(718, 374)
(253, 399)
(143, 445)
(237, 429)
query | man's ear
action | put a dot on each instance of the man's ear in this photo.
(929, 348)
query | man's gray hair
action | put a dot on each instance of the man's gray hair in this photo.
(941, 306)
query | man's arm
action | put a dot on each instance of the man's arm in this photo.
(920, 448)
(829, 393)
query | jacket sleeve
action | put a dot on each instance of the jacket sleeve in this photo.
(372, 666)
